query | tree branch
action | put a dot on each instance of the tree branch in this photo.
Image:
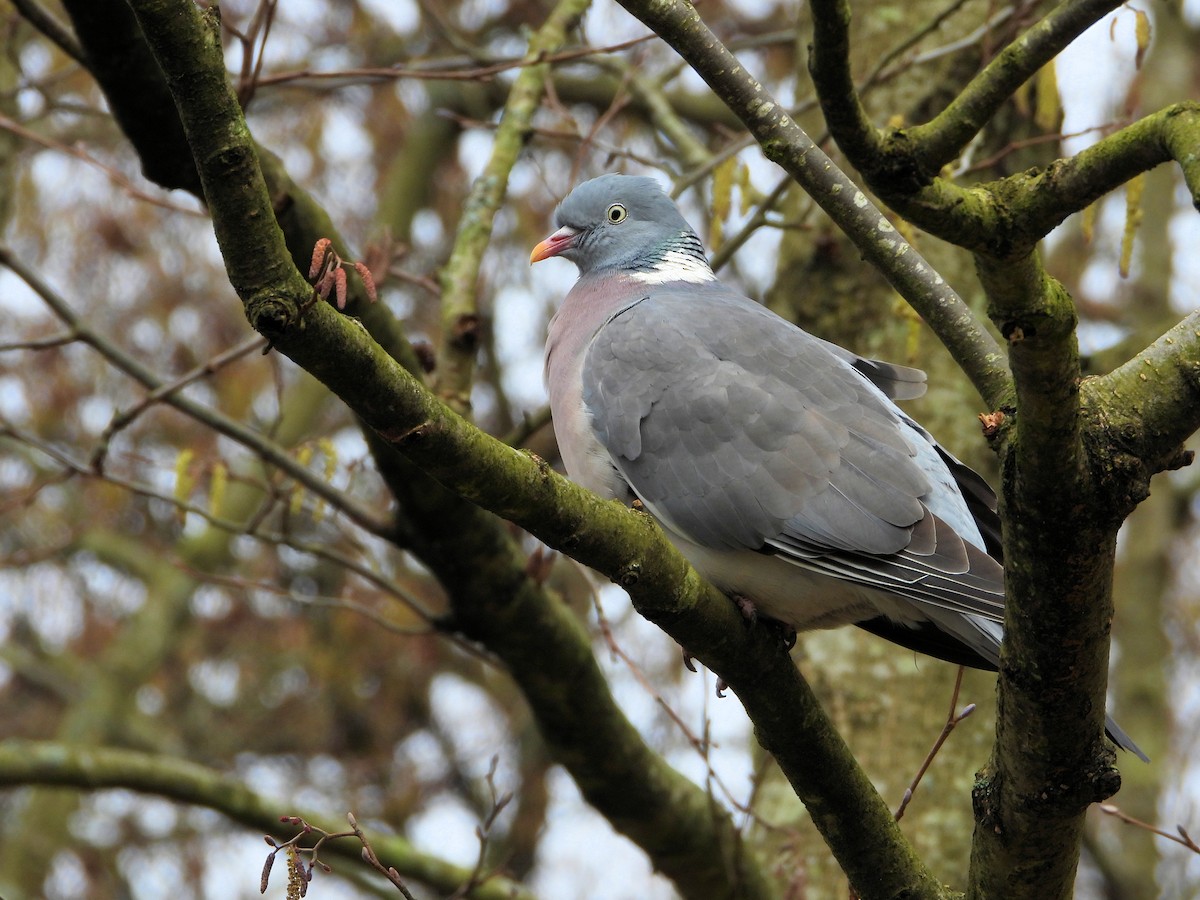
(784, 142)
(1028, 206)
(1058, 571)
(624, 545)
(1007, 218)
(829, 66)
(1146, 409)
(47, 763)
(941, 141)
(459, 277)
(910, 158)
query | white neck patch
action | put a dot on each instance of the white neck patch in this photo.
(676, 265)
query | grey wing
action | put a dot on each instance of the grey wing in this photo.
(739, 430)
(906, 383)
(733, 424)
(897, 382)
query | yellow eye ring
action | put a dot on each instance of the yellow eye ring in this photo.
(616, 214)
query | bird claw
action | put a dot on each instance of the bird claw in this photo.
(783, 631)
(747, 608)
(722, 684)
(788, 634)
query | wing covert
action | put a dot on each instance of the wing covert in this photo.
(734, 426)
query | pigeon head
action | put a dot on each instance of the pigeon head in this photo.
(625, 223)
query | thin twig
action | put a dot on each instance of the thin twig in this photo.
(293, 848)
(952, 720)
(51, 27)
(483, 832)
(1013, 146)
(1181, 836)
(46, 343)
(209, 367)
(620, 100)
(368, 854)
(882, 72)
(432, 73)
(262, 446)
(269, 16)
(11, 125)
(611, 150)
(700, 745)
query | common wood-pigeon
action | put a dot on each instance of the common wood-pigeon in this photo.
(777, 462)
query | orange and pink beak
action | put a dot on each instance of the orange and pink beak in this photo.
(561, 240)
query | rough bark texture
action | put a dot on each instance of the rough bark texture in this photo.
(1077, 454)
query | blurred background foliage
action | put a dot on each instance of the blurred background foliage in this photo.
(167, 589)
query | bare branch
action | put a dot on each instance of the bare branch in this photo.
(247, 437)
(67, 765)
(460, 310)
(51, 27)
(444, 71)
(115, 176)
(953, 717)
(785, 143)
(1180, 836)
(941, 140)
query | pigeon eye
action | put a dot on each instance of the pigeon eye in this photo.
(617, 213)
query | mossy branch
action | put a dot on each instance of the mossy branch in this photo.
(1027, 206)
(784, 142)
(1058, 567)
(910, 158)
(942, 140)
(624, 545)
(1069, 479)
(829, 66)
(460, 309)
(88, 768)
(1004, 219)
(1036, 316)
(1146, 409)
(672, 819)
